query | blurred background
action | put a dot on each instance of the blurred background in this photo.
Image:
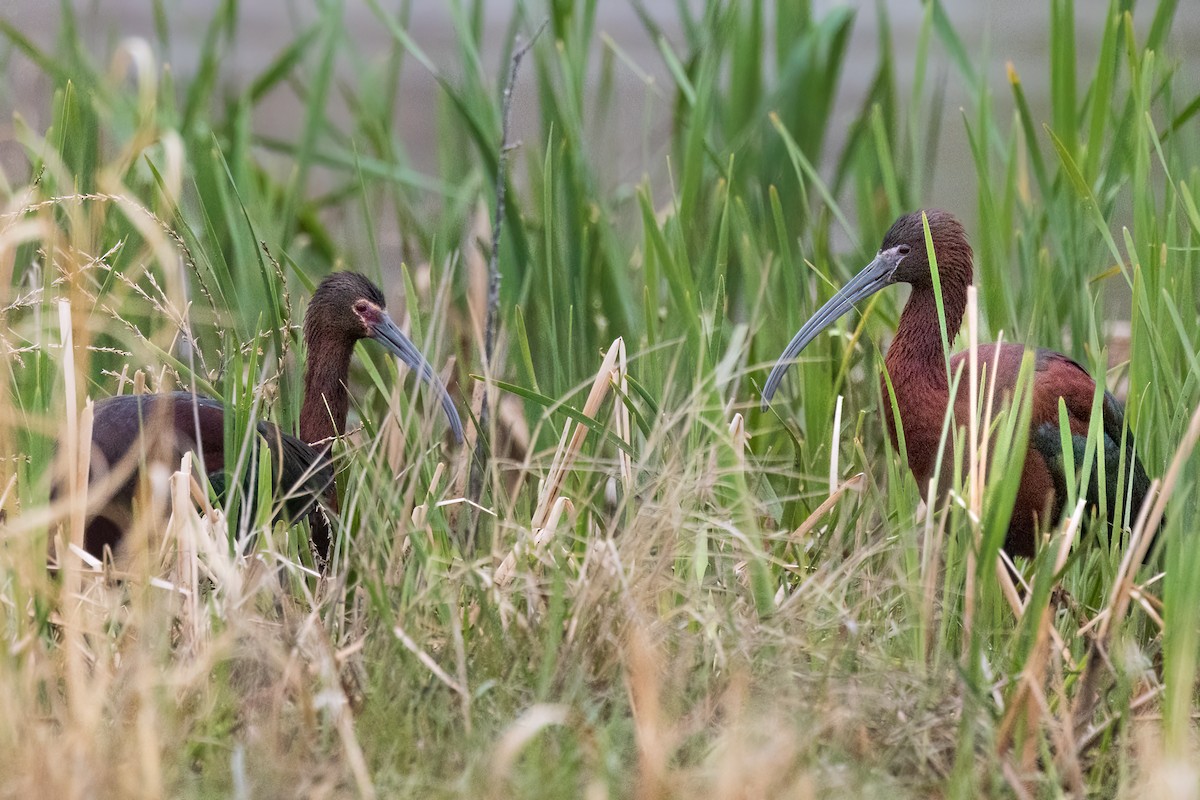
(692, 181)
(698, 172)
(634, 139)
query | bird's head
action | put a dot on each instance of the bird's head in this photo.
(902, 258)
(347, 306)
(904, 246)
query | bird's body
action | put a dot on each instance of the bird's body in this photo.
(134, 431)
(130, 431)
(916, 365)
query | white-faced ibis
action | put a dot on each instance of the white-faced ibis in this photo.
(916, 364)
(134, 430)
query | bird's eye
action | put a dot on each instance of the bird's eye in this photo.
(903, 249)
(361, 306)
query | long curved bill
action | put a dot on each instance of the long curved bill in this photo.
(873, 277)
(390, 336)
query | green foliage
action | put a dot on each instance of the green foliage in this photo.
(725, 611)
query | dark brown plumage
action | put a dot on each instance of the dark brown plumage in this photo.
(131, 431)
(916, 363)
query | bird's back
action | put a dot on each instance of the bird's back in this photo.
(1057, 377)
(129, 431)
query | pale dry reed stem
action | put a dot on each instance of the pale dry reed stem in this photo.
(737, 438)
(181, 532)
(851, 484)
(77, 442)
(519, 733)
(623, 422)
(571, 443)
(976, 467)
(835, 445)
(428, 661)
(82, 684)
(541, 537)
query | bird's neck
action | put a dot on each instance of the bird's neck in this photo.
(326, 399)
(917, 349)
(916, 364)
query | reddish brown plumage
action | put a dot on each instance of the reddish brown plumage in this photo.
(922, 404)
(916, 364)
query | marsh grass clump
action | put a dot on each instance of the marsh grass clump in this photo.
(662, 590)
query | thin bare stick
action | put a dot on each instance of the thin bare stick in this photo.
(475, 485)
(1088, 697)
(853, 483)
(429, 663)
